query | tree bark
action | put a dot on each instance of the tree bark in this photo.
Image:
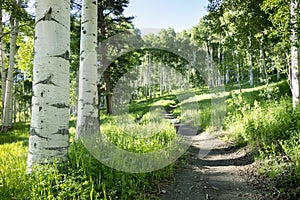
(88, 97)
(149, 75)
(48, 140)
(238, 76)
(7, 106)
(2, 55)
(251, 70)
(294, 54)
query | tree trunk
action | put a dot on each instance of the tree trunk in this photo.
(48, 141)
(209, 57)
(109, 108)
(227, 75)
(149, 76)
(88, 97)
(106, 76)
(161, 79)
(7, 107)
(15, 110)
(2, 55)
(294, 54)
(251, 70)
(238, 74)
(263, 68)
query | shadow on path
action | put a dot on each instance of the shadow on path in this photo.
(211, 173)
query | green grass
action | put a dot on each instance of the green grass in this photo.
(13, 155)
(86, 177)
(260, 117)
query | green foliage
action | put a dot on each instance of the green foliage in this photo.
(88, 178)
(150, 134)
(84, 177)
(264, 119)
(25, 57)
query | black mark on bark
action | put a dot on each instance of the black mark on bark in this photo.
(65, 55)
(48, 17)
(56, 148)
(47, 81)
(34, 133)
(62, 132)
(60, 105)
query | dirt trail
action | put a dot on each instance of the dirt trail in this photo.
(211, 173)
(214, 176)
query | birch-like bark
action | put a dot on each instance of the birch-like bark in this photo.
(238, 76)
(161, 79)
(250, 53)
(227, 75)
(251, 69)
(209, 60)
(3, 72)
(48, 141)
(294, 53)
(149, 76)
(7, 106)
(88, 77)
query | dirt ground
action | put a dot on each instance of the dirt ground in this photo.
(212, 170)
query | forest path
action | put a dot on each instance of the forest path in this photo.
(211, 172)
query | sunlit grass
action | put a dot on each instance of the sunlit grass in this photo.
(86, 177)
(13, 155)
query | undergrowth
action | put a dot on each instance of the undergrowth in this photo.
(265, 120)
(85, 177)
(260, 117)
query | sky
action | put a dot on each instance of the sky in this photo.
(156, 14)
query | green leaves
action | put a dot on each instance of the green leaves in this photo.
(25, 57)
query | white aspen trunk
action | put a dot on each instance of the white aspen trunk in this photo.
(170, 81)
(209, 58)
(2, 55)
(211, 69)
(88, 78)
(161, 79)
(238, 69)
(227, 75)
(48, 141)
(251, 69)
(263, 70)
(7, 107)
(251, 62)
(181, 77)
(188, 76)
(15, 110)
(149, 77)
(294, 54)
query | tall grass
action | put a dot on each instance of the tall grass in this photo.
(13, 155)
(85, 177)
(264, 120)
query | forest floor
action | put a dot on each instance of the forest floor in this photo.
(215, 170)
